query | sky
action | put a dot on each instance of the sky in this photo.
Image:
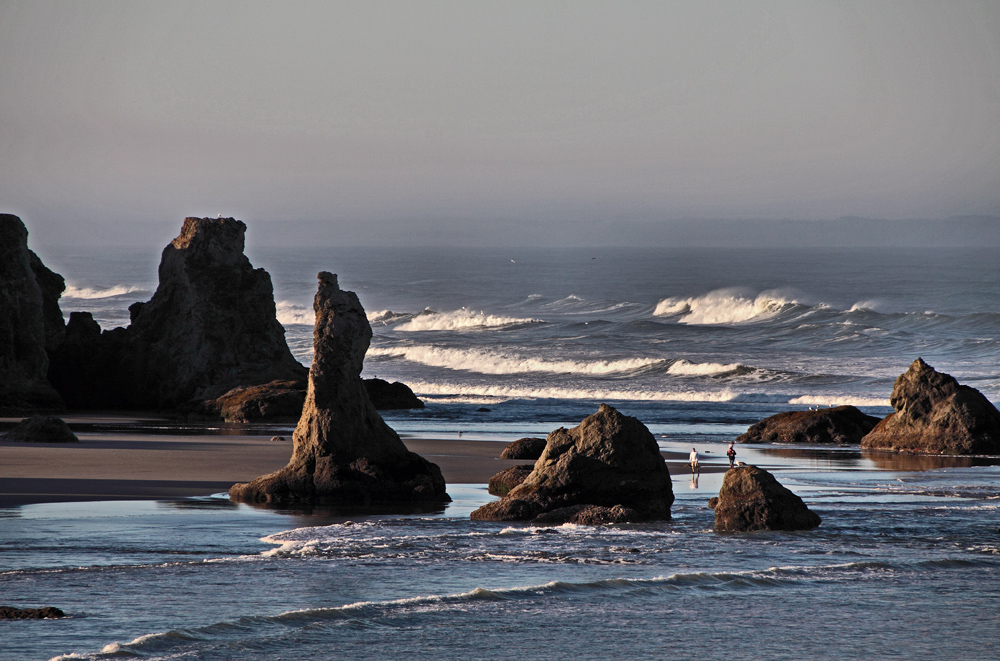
(510, 122)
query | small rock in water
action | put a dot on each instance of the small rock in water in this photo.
(11, 613)
(278, 438)
(482, 409)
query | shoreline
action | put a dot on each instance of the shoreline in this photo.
(134, 465)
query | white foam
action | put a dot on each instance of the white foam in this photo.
(527, 392)
(723, 306)
(838, 400)
(289, 313)
(98, 292)
(686, 368)
(461, 319)
(486, 361)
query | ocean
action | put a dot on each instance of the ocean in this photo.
(505, 343)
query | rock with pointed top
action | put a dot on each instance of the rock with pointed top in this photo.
(843, 425)
(752, 499)
(30, 322)
(934, 413)
(343, 452)
(608, 461)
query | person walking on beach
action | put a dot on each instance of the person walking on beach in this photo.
(694, 462)
(731, 453)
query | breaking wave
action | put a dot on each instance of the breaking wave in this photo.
(289, 313)
(723, 306)
(838, 400)
(500, 362)
(98, 292)
(686, 368)
(555, 392)
(461, 319)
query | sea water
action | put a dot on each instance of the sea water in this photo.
(697, 344)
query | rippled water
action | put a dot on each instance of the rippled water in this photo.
(696, 344)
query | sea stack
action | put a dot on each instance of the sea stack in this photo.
(608, 469)
(344, 453)
(30, 322)
(751, 499)
(210, 327)
(936, 414)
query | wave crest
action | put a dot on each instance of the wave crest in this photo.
(499, 362)
(722, 306)
(99, 292)
(289, 313)
(461, 319)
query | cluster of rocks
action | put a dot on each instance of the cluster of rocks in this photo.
(608, 469)
(208, 342)
(934, 413)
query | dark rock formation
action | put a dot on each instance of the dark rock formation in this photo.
(524, 448)
(843, 425)
(41, 429)
(12, 613)
(343, 452)
(501, 483)
(589, 515)
(210, 327)
(751, 499)
(387, 396)
(275, 401)
(30, 321)
(608, 460)
(934, 413)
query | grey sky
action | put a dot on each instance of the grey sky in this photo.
(477, 119)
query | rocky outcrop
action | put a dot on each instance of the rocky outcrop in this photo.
(843, 425)
(502, 483)
(210, 327)
(751, 499)
(387, 396)
(936, 414)
(41, 429)
(344, 453)
(277, 400)
(30, 322)
(12, 613)
(524, 448)
(609, 460)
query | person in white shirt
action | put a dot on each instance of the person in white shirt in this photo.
(694, 462)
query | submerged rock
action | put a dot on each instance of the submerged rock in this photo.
(30, 322)
(41, 429)
(524, 448)
(751, 499)
(501, 483)
(12, 613)
(936, 414)
(843, 425)
(609, 460)
(343, 451)
(387, 396)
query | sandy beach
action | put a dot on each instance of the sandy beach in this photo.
(114, 465)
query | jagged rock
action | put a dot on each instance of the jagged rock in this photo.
(387, 396)
(27, 325)
(343, 451)
(501, 483)
(41, 429)
(843, 425)
(751, 499)
(934, 413)
(524, 448)
(209, 327)
(275, 400)
(608, 460)
(12, 613)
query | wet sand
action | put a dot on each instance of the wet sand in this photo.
(126, 466)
